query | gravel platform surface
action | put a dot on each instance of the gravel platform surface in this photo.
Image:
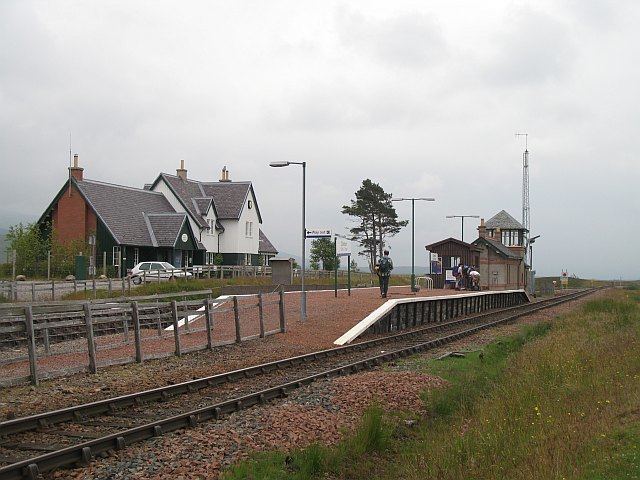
(328, 318)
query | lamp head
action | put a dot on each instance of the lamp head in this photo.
(279, 164)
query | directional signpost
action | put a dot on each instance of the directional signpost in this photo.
(318, 233)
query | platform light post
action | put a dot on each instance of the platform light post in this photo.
(462, 217)
(303, 294)
(531, 242)
(413, 233)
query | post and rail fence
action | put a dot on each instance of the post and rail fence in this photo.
(45, 340)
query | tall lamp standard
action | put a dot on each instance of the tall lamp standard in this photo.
(531, 242)
(303, 297)
(462, 217)
(413, 234)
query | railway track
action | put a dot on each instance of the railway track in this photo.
(43, 442)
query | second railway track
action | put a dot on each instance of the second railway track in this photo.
(46, 441)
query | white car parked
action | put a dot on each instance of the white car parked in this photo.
(150, 271)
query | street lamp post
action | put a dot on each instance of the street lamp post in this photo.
(413, 234)
(531, 242)
(462, 217)
(303, 295)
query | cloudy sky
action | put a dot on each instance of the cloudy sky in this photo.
(421, 97)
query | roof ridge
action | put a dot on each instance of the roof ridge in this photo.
(98, 182)
(163, 214)
(152, 234)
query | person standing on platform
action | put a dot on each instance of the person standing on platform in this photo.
(383, 269)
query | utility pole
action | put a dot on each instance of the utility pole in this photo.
(462, 217)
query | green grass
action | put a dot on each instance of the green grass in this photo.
(559, 400)
(317, 461)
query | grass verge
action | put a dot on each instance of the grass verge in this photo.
(552, 402)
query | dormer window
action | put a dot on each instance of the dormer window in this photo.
(250, 205)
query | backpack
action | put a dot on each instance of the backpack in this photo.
(384, 265)
(455, 271)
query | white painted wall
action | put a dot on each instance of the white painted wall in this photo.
(234, 240)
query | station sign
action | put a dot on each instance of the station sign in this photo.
(343, 247)
(318, 233)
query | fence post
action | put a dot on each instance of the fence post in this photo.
(93, 286)
(125, 328)
(208, 323)
(110, 286)
(236, 317)
(281, 308)
(123, 291)
(104, 263)
(75, 286)
(48, 264)
(261, 314)
(129, 285)
(93, 368)
(159, 319)
(53, 290)
(33, 291)
(31, 343)
(45, 337)
(136, 331)
(176, 333)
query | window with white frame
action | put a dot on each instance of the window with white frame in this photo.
(248, 229)
(510, 238)
(212, 226)
(247, 259)
(116, 256)
(455, 261)
(136, 256)
(211, 256)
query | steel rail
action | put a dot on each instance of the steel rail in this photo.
(107, 405)
(85, 451)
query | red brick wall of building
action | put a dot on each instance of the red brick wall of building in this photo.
(73, 218)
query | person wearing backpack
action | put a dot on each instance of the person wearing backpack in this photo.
(383, 269)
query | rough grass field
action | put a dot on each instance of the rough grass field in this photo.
(560, 400)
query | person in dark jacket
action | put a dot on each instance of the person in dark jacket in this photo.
(383, 269)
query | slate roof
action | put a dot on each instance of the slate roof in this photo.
(202, 204)
(265, 245)
(123, 209)
(228, 197)
(497, 246)
(503, 220)
(165, 227)
(448, 240)
(185, 191)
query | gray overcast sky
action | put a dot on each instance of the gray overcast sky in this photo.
(421, 97)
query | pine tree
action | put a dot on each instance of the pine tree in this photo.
(377, 220)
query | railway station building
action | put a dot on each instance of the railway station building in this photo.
(174, 219)
(498, 254)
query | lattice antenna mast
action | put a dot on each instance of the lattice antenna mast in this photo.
(526, 212)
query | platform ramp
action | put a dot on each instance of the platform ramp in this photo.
(401, 313)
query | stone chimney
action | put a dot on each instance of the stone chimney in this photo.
(76, 171)
(482, 230)
(181, 172)
(224, 176)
